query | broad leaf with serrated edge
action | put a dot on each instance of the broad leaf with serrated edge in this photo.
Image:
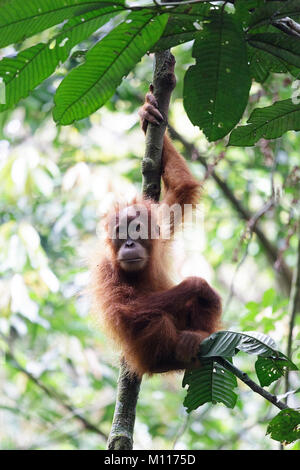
(90, 85)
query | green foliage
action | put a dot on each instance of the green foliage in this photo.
(278, 45)
(218, 83)
(270, 309)
(183, 25)
(272, 10)
(214, 383)
(268, 123)
(216, 88)
(50, 183)
(269, 369)
(228, 343)
(210, 383)
(90, 85)
(285, 427)
(262, 64)
(20, 20)
(21, 74)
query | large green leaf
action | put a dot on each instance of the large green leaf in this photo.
(182, 26)
(269, 369)
(259, 344)
(280, 45)
(216, 89)
(244, 10)
(222, 343)
(273, 11)
(30, 67)
(90, 85)
(268, 123)
(228, 343)
(262, 63)
(21, 19)
(210, 383)
(285, 427)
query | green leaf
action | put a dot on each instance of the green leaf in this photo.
(21, 74)
(228, 343)
(90, 85)
(174, 37)
(253, 342)
(21, 19)
(210, 383)
(243, 9)
(285, 427)
(273, 11)
(279, 45)
(262, 63)
(216, 89)
(183, 25)
(270, 369)
(270, 122)
(268, 297)
(222, 343)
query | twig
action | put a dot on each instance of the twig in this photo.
(248, 232)
(288, 26)
(231, 290)
(181, 430)
(270, 250)
(294, 306)
(55, 396)
(253, 385)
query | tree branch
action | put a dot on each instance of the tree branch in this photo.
(55, 396)
(253, 385)
(270, 249)
(163, 84)
(288, 26)
(121, 434)
(120, 437)
(294, 306)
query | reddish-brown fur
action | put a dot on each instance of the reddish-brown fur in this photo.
(158, 326)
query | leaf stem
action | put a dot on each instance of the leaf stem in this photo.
(253, 385)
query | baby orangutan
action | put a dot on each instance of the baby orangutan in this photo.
(158, 326)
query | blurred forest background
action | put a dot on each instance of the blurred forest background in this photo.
(58, 372)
